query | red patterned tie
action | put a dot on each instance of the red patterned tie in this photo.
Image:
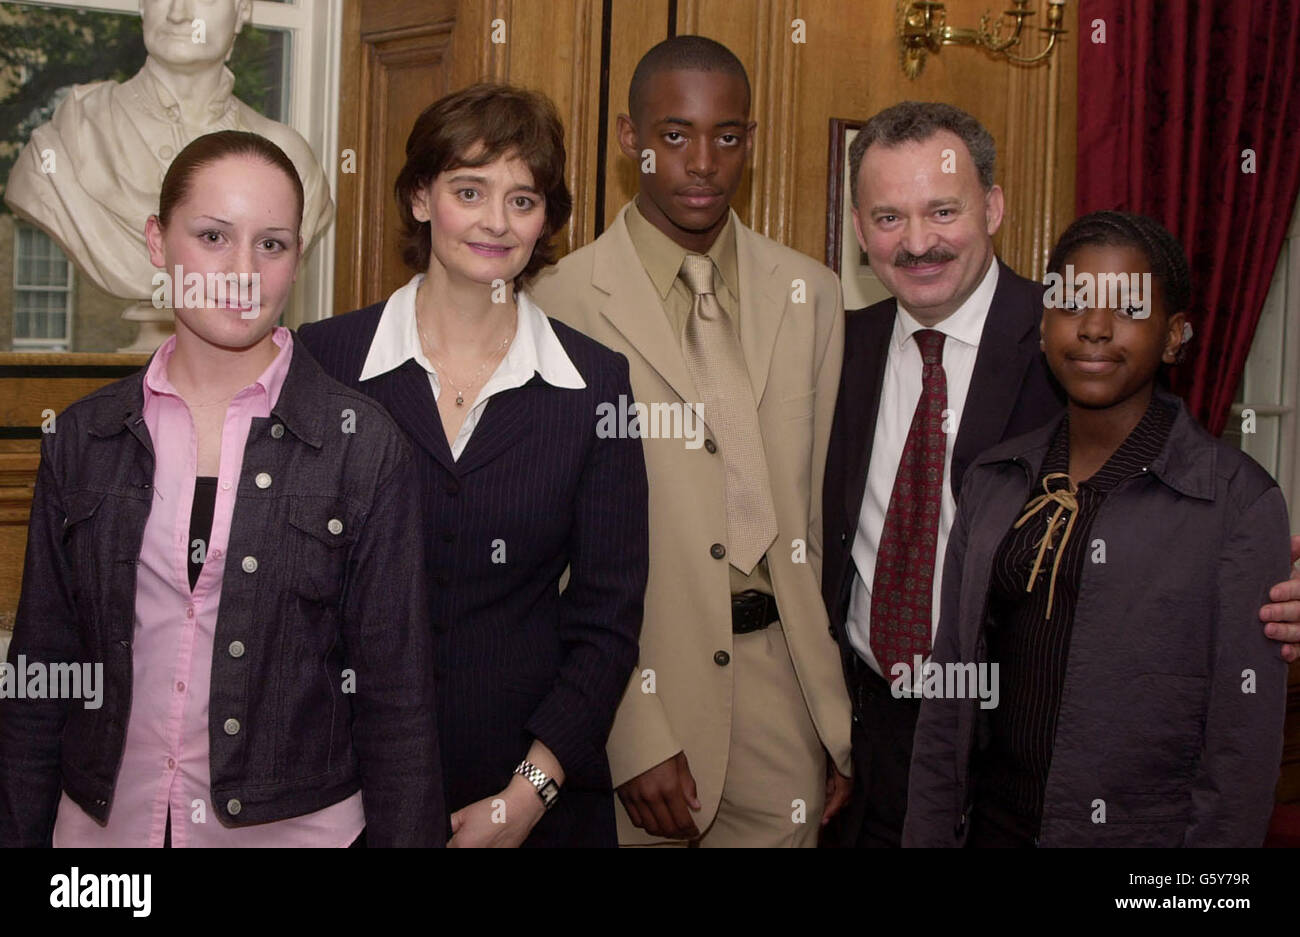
(900, 594)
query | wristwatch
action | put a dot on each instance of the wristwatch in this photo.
(547, 789)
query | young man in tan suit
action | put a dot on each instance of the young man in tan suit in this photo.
(734, 730)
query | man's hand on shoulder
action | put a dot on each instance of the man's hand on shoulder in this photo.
(1282, 614)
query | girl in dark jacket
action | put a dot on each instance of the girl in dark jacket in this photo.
(1104, 578)
(223, 544)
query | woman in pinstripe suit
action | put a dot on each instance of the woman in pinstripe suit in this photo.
(517, 483)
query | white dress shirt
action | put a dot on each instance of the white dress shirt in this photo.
(534, 350)
(898, 399)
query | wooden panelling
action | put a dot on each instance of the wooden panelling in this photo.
(18, 463)
(396, 61)
(1039, 156)
(633, 29)
(566, 68)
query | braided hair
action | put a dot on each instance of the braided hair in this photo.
(1164, 254)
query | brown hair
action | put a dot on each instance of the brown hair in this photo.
(208, 149)
(490, 121)
(917, 122)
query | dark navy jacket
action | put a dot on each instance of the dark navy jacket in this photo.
(1011, 392)
(317, 603)
(516, 657)
(1170, 726)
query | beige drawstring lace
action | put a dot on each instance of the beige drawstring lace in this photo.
(1065, 500)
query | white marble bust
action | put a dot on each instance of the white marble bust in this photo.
(111, 143)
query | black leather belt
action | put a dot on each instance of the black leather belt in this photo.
(752, 610)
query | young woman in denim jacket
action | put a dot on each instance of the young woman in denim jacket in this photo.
(225, 536)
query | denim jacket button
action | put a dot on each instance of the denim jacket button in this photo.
(233, 806)
(231, 727)
(236, 649)
(277, 430)
(250, 564)
(263, 480)
(335, 526)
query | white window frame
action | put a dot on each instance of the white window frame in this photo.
(43, 344)
(1269, 383)
(315, 36)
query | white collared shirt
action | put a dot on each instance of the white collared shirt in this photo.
(899, 396)
(535, 349)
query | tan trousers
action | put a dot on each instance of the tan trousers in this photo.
(775, 787)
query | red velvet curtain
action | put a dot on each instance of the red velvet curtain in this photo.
(1167, 104)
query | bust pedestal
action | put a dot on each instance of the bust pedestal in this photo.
(156, 326)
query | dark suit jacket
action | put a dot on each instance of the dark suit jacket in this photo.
(1011, 392)
(536, 490)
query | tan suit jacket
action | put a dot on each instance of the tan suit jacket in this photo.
(680, 697)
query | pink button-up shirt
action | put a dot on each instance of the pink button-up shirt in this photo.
(165, 763)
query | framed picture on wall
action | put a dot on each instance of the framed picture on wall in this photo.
(843, 255)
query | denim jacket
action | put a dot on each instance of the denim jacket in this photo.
(1170, 726)
(319, 601)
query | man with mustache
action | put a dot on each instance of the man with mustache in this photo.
(734, 730)
(948, 368)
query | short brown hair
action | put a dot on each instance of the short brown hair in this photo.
(490, 121)
(916, 122)
(208, 149)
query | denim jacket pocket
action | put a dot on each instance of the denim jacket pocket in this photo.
(81, 507)
(79, 536)
(324, 530)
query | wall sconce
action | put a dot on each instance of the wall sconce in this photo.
(923, 27)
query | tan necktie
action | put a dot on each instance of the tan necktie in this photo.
(717, 366)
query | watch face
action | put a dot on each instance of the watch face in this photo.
(550, 791)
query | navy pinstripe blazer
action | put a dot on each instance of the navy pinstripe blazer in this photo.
(536, 490)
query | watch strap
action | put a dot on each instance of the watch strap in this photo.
(545, 786)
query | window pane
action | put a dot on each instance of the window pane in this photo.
(38, 260)
(260, 61)
(40, 315)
